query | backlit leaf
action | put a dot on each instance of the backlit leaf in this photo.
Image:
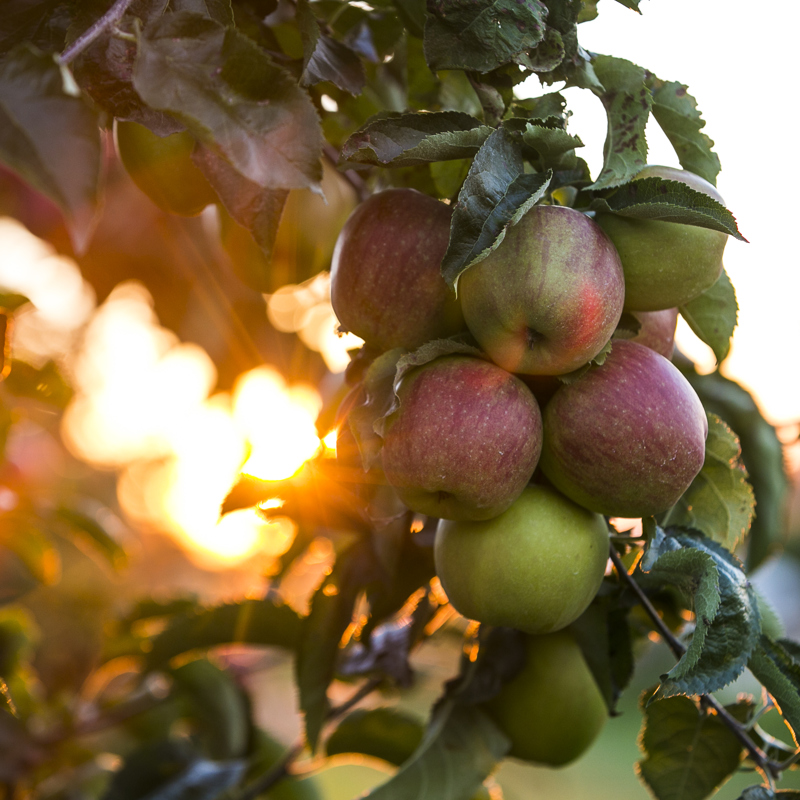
(232, 97)
(379, 732)
(779, 672)
(713, 316)
(50, 136)
(720, 502)
(627, 101)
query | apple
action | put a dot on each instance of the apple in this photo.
(162, 167)
(536, 567)
(386, 281)
(549, 297)
(666, 264)
(658, 330)
(627, 438)
(464, 441)
(553, 709)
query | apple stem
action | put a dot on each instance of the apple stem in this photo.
(533, 337)
(769, 769)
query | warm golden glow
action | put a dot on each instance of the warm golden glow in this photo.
(306, 310)
(142, 406)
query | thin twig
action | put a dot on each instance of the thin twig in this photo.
(108, 20)
(350, 175)
(768, 768)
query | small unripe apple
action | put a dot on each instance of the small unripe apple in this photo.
(386, 281)
(547, 300)
(536, 567)
(464, 441)
(666, 264)
(552, 710)
(658, 330)
(627, 438)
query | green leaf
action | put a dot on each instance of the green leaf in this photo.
(713, 316)
(218, 704)
(627, 101)
(331, 613)
(380, 732)
(232, 97)
(727, 624)
(11, 301)
(412, 12)
(257, 622)
(687, 752)
(552, 144)
(407, 140)
(548, 109)
(677, 114)
(670, 201)
(218, 10)
(762, 453)
(325, 59)
(481, 35)
(632, 4)
(49, 135)
(496, 194)
(588, 10)
(460, 749)
(45, 384)
(89, 525)
(201, 780)
(720, 502)
(43, 23)
(779, 673)
(449, 176)
(22, 535)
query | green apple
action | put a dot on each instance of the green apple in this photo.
(666, 264)
(464, 441)
(386, 281)
(658, 330)
(162, 167)
(627, 438)
(536, 567)
(552, 710)
(547, 300)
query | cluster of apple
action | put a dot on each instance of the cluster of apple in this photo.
(519, 465)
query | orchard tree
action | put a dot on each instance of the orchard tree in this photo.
(508, 402)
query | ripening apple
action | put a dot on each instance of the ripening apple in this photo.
(627, 438)
(552, 710)
(536, 567)
(162, 167)
(658, 330)
(547, 300)
(666, 264)
(386, 281)
(464, 441)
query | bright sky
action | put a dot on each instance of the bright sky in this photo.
(738, 62)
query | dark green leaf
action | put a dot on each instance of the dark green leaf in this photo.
(325, 59)
(670, 201)
(588, 10)
(331, 613)
(676, 112)
(11, 301)
(202, 780)
(380, 732)
(779, 673)
(727, 624)
(449, 176)
(460, 749)
(257, 622)
(549, 109)
(147, 769)
(687, 752)
(551, 144)
(49, 135)
(720, 502)
(632, 4)
(627, 101)
(713, 316)
(413, 15)
(481, 35)
(228, 92)
(249, 205)
(218, 704)
(218, 10)
(495, 195)
(22, 535)
(43, 23)
(404, 140)
(95, 525)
